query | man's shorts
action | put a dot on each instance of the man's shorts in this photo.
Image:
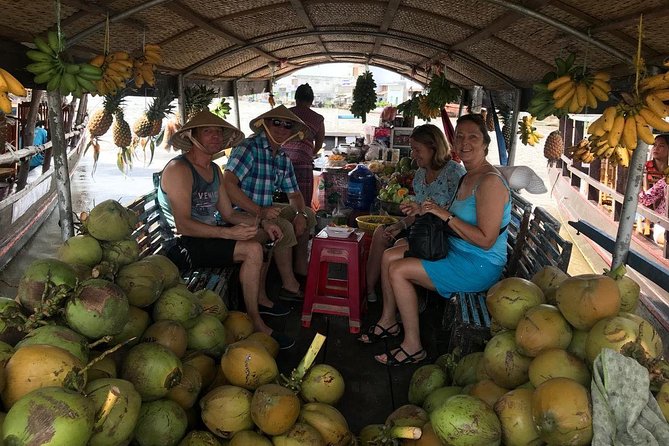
(285, 222)
(209, 252)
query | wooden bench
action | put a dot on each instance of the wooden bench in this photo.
(533, 243)
(155, 236)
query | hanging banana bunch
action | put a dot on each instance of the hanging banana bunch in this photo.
(116, 71)
(573, 92)
(542, 104)
(54, 67)
(9, 84)
(144, 67)
(528, 133)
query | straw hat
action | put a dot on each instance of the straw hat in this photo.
(523, 177)
(205, 118)
(280, 112)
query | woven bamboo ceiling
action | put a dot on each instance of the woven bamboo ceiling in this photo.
(499, 44)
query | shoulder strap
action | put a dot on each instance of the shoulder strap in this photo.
(455, 193)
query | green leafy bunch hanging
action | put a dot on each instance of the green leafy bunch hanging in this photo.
(222, 109)
(364, 96)
(441, 92)
(410, 107)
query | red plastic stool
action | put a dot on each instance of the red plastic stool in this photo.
(335, 296)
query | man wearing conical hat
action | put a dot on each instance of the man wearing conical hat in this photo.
(191, 196)
(258, 167)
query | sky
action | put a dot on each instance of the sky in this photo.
(381, 75)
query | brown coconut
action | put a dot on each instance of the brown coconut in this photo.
(540, 328)
(549, 279)
(247, 364)
(514, 411)
(588, 298)
(487, 391)
(238, 326)
(558, 363)
(274, 408)
(510, 298)
(168, 333)
(226, 410)
(502, 362)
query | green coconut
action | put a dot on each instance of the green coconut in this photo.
(226, 410)
(464, 420)
(558, 363)
(510, 298)
(142, 282)
(322, 383)
(110, 221)
(207, 334)
(171, 275)
(49, 416)
(549, 279)
(81, 249)
(212, 303)
(177, 304)
(121, 252)
(160, 423)
(99, 308)
(118, 426)
(648, 340)
(466, 370)
(542, 327)
(202, 438)
(503, 363)
(169, 333)
(40, 273)
(58, 336)
(204, 364)
(439, 396)
(407, 415)
(84, 272)
(11, 321)
(611, 332)
(328, 421)
(424, 381)
(300, 434)
(138, 321)
(103, 368)
(153, 369)
(186, 392)
(514, 411)
(577, 345)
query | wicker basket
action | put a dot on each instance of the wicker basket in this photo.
(369, 223)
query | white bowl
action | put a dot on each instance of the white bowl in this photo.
(339, 231)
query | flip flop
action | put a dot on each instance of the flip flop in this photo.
(391, 357)
(373, 338)
(291, 296)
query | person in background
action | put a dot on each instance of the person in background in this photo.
(436, 179)
(476, 257)
(190, 195)
(655, 196)
(41, 138)
(302, 152)
(257, 167)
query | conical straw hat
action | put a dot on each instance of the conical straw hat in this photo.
(205, 118)
(280, 112)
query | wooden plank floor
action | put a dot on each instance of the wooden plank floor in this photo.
(373, 390)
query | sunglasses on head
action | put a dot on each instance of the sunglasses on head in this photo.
(285, 124)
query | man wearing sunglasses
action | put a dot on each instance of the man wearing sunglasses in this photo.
(257, 167)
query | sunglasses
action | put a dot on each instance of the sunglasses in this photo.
(285, 124)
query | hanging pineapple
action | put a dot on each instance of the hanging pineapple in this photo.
(554, 146)
(507, 125)
(490, 121)
(197, 98)
(150, 123)
(122, 138)
(102, 118)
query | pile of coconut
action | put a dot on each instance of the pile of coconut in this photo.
(531, 384)
(101, 347)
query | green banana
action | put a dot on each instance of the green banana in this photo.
(69, 81)
(40, 67)
(43, 46)
(85, 83)
(54, 82)
(72, 68)
(44, 77)
(39, 56)
(54, 41)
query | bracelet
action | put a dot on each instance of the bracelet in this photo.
(450, 217)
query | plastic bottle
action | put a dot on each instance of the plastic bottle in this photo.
(361, 188)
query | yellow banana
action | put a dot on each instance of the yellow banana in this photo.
(602, 85)
(139, 79)
(608, 152)
(655, 82)
(643, 131)
(3, 85)
(596, 125)
(97, 61)
(654, 120)
(121, 64)
(591, 99)
(5, 103)
(600, 150)
(600, 94)
(662, 95)
(582, 94)
(564, 89)
(603, 76)
(118, 55)
(629, 133)
(609, 116)
(553, 85)
(656, 105)
(565, 100)
(623, 156)
(574, 104)
(617, 130)
(13, 86)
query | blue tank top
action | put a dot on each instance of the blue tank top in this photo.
(204, 197)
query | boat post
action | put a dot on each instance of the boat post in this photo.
(515, 115)
(61, 168)
(628, 212)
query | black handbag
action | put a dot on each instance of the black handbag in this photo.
(428, 238)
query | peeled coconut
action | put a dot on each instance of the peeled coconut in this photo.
(160, 423)
(177, 304)
(267, 341)
(562, 412)
(142, 282)
(322, 383)
(558, 363)
(39, 273)
(153, 369)
(58, 336)
(121, 253)
(438, 396)
(49, 416)
(510, 298)
(110, 221)
(186, 392)
(171, 275)
(204, 438)
(514, 411)
(540, 328)
(247, 364)
(212, 303)
(549, 279)
(11, 320)
(300, 434)
(328, 421)
(207, 334)
(81, 249)
(424, 381)
(465, 420)
(238, 326)
(487, 391)
(99, 308)
(35, 366)
(274, 408)
(249, 438)
(502, 362)
(583, 300)
(118, 426)
(226, 410)
(138, 321)
(169, 333)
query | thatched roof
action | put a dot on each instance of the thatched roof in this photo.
(499, 44)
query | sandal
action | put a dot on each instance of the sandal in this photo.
(372, 337)
(391, 357)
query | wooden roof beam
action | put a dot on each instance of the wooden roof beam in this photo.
(90, 9)
(306, 21)
(388, 17)
(632, 19)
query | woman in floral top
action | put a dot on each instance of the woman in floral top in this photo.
(435, 180)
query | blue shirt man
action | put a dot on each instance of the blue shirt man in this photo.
(41, 138)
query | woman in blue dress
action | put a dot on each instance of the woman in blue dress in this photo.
(436, 179)
(476, 258)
